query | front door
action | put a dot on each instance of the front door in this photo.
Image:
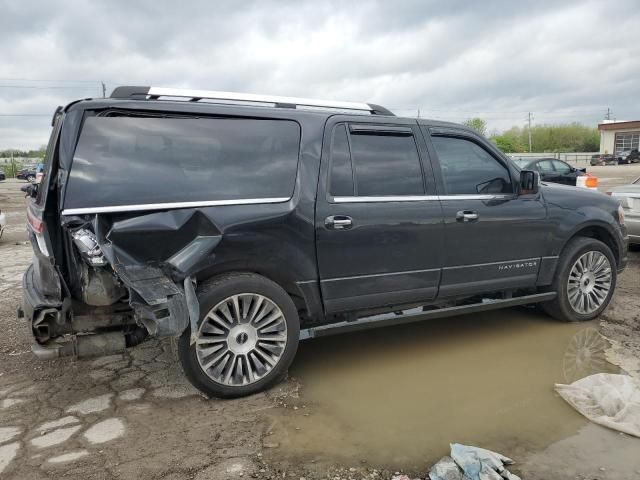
(379, 224)
(495, 238)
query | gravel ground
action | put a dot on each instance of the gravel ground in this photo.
(134, 416)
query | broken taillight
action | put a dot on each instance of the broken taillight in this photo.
(35, 223)
(37, 227)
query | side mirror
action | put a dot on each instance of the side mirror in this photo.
(529, 181)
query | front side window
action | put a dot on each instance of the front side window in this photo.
(469, 169)
(386, 164)
(139, 160)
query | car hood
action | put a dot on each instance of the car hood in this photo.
(559, 192)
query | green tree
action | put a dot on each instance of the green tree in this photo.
(477, 124)
(573, 137)
(510, 141)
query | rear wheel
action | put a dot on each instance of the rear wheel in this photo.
(585, 281)
(246, 339)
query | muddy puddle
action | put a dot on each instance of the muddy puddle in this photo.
(398, 396)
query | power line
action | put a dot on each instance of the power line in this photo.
(6, 79)
(48, 87)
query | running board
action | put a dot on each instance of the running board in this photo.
(418, 315)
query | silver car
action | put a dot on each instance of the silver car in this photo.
(629, 197)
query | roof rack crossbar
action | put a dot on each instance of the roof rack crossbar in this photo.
(279, 101)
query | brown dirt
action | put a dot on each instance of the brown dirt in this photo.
(133, 416)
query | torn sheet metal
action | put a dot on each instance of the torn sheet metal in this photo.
(607, 399)
(158, 268)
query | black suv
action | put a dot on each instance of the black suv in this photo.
(244, 223)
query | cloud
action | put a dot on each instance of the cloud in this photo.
(564, 61)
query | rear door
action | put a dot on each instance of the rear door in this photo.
(547, 171)
(566, 173)
(379, 224)
(494, 237)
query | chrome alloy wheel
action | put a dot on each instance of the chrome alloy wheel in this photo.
(589, 282)
(241, 339)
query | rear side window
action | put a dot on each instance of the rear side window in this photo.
(467, 168)
(561, 167)
(341, 171)
(546, 166)
(374, 163)
(136, 160)
(386, 165)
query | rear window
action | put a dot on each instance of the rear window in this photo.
(135, 160)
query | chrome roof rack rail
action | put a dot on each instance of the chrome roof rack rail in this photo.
(154, 93)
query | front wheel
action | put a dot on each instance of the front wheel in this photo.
(247, 336)
(585, 281)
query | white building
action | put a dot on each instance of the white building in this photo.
(618, 136)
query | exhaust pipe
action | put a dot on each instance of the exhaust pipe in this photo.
(83, 346)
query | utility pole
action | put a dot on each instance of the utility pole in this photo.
(608, 115)
(104, 89)
(529, 120)
(418, 113)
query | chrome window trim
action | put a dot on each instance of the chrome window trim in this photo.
(167, 206)
(417, 198)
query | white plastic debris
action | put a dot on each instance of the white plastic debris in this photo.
(480, 464)
(608, 399)
(446, 469)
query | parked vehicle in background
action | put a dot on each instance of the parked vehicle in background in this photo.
(629, 198)
(288, 219)
(628, 156)
(28, 174)
(602, 159)
(2, 176)
(557, 171)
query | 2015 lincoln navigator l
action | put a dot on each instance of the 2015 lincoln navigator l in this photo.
(242, 223)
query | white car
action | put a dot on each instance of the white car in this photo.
(629, 198)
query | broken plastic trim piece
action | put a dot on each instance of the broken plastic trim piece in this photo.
(193, 306)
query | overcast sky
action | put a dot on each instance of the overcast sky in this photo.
(564, 61)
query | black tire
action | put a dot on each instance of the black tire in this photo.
(560, 308)
(30, 178)
(211, 294)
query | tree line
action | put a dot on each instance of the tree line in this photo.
(23, 153)
(572, 137)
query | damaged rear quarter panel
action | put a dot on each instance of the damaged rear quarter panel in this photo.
(152, 253)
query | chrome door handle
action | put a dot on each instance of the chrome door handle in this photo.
(467, 216)
(338, 222)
